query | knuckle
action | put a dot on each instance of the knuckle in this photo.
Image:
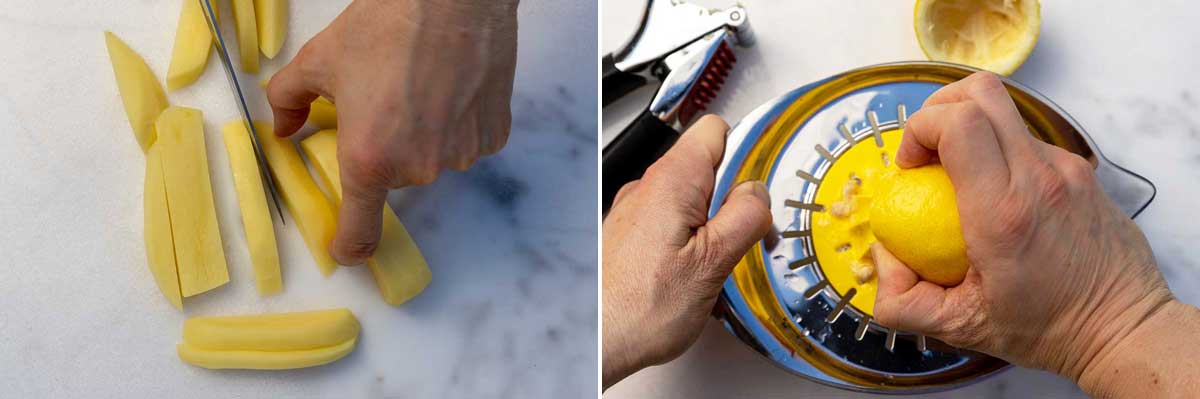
(359, 249)
(421, 173)
(1076, 170)
(309, 61)
(500, 139)
(986, 83)
(971, 118)
(1051, 185)
(1014, 217)
(368, 164)
(626, 189)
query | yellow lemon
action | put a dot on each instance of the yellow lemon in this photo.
(841, 233)
(916, 218)
(995, 35)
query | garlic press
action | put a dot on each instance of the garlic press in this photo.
(689, 50)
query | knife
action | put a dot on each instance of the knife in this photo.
(264, 171)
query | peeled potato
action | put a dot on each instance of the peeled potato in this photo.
(269, 342)
(200, 258)
(263, 360)
(160, 247)
(323, 114)
(247, 34)
(193, 43)
(272, 25)
(399, 268)
(141, 93)
(314, 215)
(272, 332)
(256, 214)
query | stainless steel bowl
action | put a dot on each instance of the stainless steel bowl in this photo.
(787, 313)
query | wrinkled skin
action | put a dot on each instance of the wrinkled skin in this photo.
(420, 86)
(664, 260)
(1053, 260)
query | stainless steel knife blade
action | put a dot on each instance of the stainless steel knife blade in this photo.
(264, 170)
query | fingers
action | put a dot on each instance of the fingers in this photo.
(903, 301)
(366, 176)
(686, 171)
(291, 91)
(744, 219)
(703, 143)
(987, 91)
(359, 221)
(961, 137)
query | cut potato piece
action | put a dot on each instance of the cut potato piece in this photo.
(272, 332)
(193, 43)
(160, 248)
(256, 214)
(323, 114)
(314, 214)
(200, 259)
(264, 360)
(398, 266)
(272, 18)
(247, 34)
(140, 91)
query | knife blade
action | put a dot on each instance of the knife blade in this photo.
(264, 171)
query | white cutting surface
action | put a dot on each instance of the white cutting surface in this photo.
(512, 243)
(1126, 71)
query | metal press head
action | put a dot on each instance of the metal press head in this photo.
(669, 25)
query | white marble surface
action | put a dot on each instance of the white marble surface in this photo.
(512, 243)
(1126, 71)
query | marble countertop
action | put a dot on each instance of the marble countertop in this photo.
(512, 242)
(1126, 72)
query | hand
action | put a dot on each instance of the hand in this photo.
(664, 260)
(1060, 278)
(420, 86)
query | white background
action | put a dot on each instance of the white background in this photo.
(512, 243)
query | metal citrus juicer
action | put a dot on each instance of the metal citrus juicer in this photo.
(795, 297)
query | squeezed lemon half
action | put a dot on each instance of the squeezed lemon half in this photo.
(994, 35)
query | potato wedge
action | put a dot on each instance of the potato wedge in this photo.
(193, 43)
(398, 266)
(264, 360)
(272, 332)
(272, 18)
(141, 93)
(200, 258)
(160, 247)
(247, 34)
(323, 114)
(256, 213)
(314, 214)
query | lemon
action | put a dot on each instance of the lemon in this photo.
(995, 35)
(842, 233)
(916, 218)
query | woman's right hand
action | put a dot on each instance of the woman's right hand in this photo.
(1060, 278)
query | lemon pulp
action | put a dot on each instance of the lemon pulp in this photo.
(842, 234)
(995, 35)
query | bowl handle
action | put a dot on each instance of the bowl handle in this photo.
(1129, 190)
